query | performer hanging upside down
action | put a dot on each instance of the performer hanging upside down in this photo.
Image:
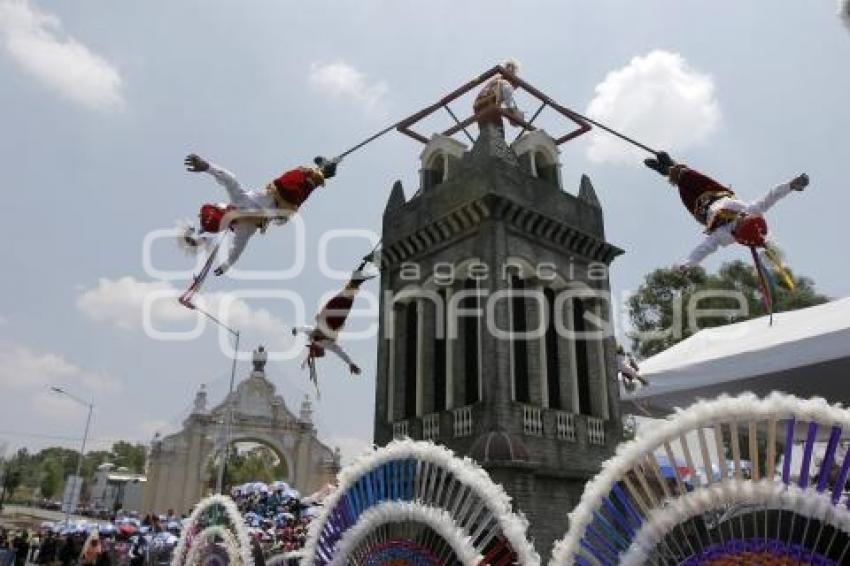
(248, 210)
(330, 321)
(252, 210)
(726, 218)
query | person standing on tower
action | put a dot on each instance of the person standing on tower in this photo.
(496, 95)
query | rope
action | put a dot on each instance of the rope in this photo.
(599, 125)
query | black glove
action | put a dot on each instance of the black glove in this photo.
(800, 182)
(195, 163)
(662, 163)
(327, 166)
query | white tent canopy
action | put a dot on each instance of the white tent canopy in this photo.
(806, 353)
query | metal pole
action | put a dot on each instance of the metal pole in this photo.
(77, 478)
(219, 484)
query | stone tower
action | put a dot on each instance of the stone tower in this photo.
(494, 313)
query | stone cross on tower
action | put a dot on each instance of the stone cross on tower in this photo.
(200, 405)
(259, 360)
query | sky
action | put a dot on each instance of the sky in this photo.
(100, 101)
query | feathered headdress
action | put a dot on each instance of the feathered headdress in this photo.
(189, 240)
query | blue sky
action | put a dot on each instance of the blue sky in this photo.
(100, 101)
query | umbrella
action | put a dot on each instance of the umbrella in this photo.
(668, 471)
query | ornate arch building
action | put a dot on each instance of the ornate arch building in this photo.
(179, 464)
(495, 337)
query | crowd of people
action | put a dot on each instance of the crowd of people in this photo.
(125, 540)
(276, 517)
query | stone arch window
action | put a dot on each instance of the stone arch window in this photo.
(470, 334)
(438, 160)
(582, 354)
(537, 150)
(553, 353)
(436, 170)
(404, 386)
(411, 357)
(439, 377)
(519, 345)
(545, 168)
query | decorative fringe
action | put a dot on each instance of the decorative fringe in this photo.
(187, 539)
(465, 470)
(776, 258)
(702, 414)
(209, 534)
(397, 511)
(310, 363)
(764, 493)
(766, 295)
(189, 240)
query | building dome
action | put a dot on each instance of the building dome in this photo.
(499, 446)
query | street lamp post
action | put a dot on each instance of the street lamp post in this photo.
(77, 478)
(219, 484)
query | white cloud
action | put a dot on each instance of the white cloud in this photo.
(844, 12)
(659, 100)
(34, 40)
(341, 80)
(121, 303)
(24, 369)
(20, 367)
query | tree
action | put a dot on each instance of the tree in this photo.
(130, 456)
(51, 479)
(661, 310)
(12, 469)
(257, 463)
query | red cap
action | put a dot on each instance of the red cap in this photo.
(211, 216)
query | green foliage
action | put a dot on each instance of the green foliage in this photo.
(51, 480)
(47, 470)
(130, 456)
(660, 314)
(258, 463)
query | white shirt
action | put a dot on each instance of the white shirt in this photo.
(244, 200)
(722, 236)
(327, 344)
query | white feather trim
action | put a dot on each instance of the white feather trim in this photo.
(465, 470)
(207, 536)
(189, 240)
(395, 511)
(765, 494)
(237, 525)
(701, 414)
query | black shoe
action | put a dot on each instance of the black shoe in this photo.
(327, 166)
(661, 164)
